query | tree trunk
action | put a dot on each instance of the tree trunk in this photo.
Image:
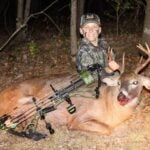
(23, 12)
(146, 30)
(27, 9)
(20, 16)
(80, 11)
(73, 28)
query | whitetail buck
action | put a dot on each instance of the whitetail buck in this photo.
(118, 99)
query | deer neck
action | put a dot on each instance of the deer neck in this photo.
(112, 108)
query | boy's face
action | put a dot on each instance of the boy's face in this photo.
(91, 31)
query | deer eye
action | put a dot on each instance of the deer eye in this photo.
(135, 82)
(119, 83)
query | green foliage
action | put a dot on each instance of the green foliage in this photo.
(121, 7)
(33, 49)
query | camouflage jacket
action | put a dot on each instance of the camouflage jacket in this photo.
(89, 54)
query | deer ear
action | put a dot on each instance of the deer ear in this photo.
(145, 82)
(110, 81)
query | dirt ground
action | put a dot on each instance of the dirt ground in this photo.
(51, 56)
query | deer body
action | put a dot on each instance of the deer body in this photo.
(117, 101)
(95, 115)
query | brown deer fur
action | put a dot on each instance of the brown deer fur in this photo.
(95, 115)
(118, 99)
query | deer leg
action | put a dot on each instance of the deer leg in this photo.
(91, 125)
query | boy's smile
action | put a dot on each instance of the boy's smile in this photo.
(91, 32)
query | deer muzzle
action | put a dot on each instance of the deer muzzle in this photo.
(122, 98)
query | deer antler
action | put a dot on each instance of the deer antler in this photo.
(110, 54)
(147, 51)
(122, 68)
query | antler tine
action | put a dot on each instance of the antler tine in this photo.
(140, 60)
(147, 51)
(110, 54)
(123, 63)
(147, 48)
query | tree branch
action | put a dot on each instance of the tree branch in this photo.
(25, 24)
(50, 18)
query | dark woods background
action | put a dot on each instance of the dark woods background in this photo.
(129, 13)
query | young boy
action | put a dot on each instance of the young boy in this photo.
(92, 49)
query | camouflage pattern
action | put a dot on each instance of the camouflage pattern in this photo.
(89, 54)
(89, 18)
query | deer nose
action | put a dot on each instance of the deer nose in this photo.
(121, 96)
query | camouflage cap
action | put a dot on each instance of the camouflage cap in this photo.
(89, 18)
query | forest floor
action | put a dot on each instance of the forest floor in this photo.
(52, 56)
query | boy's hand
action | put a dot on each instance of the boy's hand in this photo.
(112, 65)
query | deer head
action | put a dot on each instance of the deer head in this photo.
(130, 84)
